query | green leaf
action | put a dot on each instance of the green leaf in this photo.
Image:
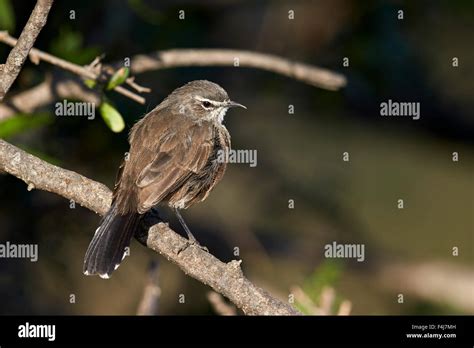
(7, 17)
(118, 78)
(328, 273)
(90, 83)
(22, 122)
(112, 117)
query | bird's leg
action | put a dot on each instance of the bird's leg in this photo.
(191, 238)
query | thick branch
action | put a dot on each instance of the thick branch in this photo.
(39, 174)
(10, 70)
(312, 75)
(225, 278)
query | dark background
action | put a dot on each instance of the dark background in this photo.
(299, 156)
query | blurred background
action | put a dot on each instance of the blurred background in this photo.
(408, 251)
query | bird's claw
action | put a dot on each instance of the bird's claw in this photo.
(192, 241)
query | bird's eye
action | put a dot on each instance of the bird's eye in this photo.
(206, 104)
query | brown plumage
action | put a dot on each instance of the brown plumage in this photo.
(172, 160)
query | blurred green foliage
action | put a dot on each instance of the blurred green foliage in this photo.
(7, 16)
(21, 123)
(327, 274)
(147, 13)
(69, 45)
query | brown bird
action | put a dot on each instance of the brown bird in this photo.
(173, 160)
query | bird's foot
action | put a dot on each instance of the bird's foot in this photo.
(194, 242)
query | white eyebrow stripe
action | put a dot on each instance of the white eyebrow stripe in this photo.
(213, 102)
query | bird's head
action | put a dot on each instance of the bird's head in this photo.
(203, 100)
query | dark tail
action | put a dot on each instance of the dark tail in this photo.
(107, 248)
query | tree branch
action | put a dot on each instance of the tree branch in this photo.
(312, 75)
(85, 72)
(39, 174)
(10, 70)
(46, 93)
(151, 293)
(71, 88)
(225, 278)
(219, 305)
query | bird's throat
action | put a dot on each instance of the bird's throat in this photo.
(217, 115)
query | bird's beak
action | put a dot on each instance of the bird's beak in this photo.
(233, 104)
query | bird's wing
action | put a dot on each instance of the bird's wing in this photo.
(178, 156)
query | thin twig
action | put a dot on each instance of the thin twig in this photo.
(305, 300)
(219, 305)
(140, 89)
(435, 281)
(225, 278)
(345, 308)
(129, 94)
(326, 302)
(310, 74)
(10, 70)
(184, 57)
(151, 293)
(85, 72)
